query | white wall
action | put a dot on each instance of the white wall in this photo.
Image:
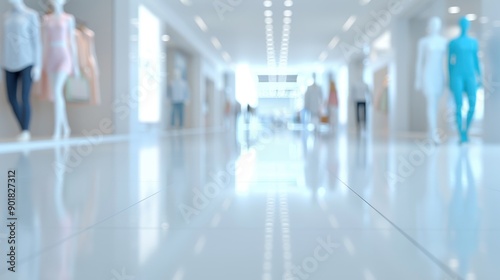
(98, 15)
(491, 38)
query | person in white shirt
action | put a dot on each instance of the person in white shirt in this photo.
(178, 94)
(21, 59)
(361, 96)
(313, 102)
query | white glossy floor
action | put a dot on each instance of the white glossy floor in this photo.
(288, 206)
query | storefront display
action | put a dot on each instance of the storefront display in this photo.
(21, 60)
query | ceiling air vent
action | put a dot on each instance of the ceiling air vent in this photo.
(278, 78)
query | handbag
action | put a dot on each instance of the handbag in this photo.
(77, 90)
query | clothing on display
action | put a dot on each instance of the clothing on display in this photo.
(88, 64)
(360, 92)
(313, 101)
(21, 60)
(178, 93)
(361, 117)
(21, 39)
(333, 100)
(22, 111)
(57, 56)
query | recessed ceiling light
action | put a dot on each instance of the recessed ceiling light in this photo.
(334, 42)
(187, 2)
(216, 43)
(288, 3)
(323, 56)
(226, 56)
(288, 13)
(268, 3)
(287, 20)
(268, 13)
(364, 2)
(349, 23)
(201, 23)
(269, 20)
(471, 17)
(454, 10)
(165, 38)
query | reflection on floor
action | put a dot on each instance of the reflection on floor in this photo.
(260, 204)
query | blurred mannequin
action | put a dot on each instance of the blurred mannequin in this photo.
(60, 61)
(430, 73)
(21, 59)
(333, 101)
(313, 101)
(361, 96)
(178, 93)
(465, 76)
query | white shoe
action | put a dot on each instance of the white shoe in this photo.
(25, 136)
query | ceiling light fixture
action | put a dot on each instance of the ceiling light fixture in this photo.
(454, 10)
(349, 23)
(471, 17)
(226, 56)
(165, 38)
(268, 4)
(216, 43)
(288, 3)
(323, 56)
(186, 2)
(334, 42)
(201, 23)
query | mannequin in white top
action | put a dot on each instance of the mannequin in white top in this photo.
(60, 61)
(431, 73)
(21, 59)
(178, 93)
(313, 101)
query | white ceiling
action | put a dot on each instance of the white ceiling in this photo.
(314, 24)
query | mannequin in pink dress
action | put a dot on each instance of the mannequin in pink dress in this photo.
(60, 60)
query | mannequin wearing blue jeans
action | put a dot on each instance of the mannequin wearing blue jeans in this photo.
(465, 75)
(21, 111)
(178, 114)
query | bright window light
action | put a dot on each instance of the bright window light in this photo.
(149, 67)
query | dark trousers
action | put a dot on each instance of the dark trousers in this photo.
(361, 113)
(23, 110)
(177, 114)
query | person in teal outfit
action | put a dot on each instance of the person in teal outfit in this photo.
(465, 75)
